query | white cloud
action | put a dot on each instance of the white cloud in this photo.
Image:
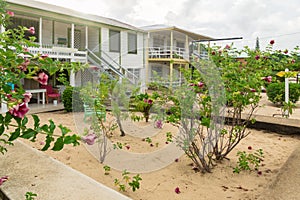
(269, 19)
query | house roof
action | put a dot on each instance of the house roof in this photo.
(163, 27)
(73, 13)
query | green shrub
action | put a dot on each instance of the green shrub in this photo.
(275, 92)
(71, 99)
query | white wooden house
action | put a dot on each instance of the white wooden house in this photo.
(169, 49)
(73, 36)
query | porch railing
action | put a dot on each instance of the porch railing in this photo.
(165, 52)
(60, 52)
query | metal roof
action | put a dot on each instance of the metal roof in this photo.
(163, 27)
(73, 13)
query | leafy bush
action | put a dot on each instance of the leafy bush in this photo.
(71, 99)
(275, 92)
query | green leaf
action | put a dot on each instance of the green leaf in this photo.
(1, 129)
(24, 121)
(36, 121)
(51, 126)
(14, 135)
(71, 140)
(45, 128)
(59, 144)
(49, 139)
(7, 118)
(64, 130)
(29, 133)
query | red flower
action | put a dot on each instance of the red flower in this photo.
(272, 42)
(249, 148)
(3, 179)
(259, 173)
(42, 78)
(200, 84)
(27, 97)
(213, 53)
(89, 139)
(227, 46)
(268, 79)
(257, 57)
(176, 160)
(10, 13)
(31, 30)
(252, 90)
(127, 147)
(293, 61)
(19, 110)
(177, 190)
(286, 51)
(43, 56)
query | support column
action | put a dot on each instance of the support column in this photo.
(186, 50)
(86, 37)
(171, 59)
(147, 56)
(41, 32)
(72, 75)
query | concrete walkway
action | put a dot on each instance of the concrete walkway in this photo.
(30, 170)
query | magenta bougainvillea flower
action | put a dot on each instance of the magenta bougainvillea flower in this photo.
(253, 90)
(249, 148)
(272, 42)
(257, 57)
(213, 53)
(293, 61)
(24, 65)
(127, 147)
(43, 56)
(227, 46)
(3, 179)
(200, 84)
(177, 190)
(158, 124)
(176, 160)
(89, 139)
(42, 78)
(27, 97)
(31, 30)
(286, 51)
(268, 79)
(19, 110)
(10, 13)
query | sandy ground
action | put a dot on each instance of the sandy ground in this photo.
(161, 184)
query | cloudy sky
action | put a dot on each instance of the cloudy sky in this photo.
(268, 19)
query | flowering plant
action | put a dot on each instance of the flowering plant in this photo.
(17, 63)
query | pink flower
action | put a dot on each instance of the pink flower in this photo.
(293, 61)
(259, 173)
(268, 79)
(257, 57)
(213, 53)
(89, 139)
(249, 148)
(227, 46)
(158, 124)
(200, 84)
(27, 97)
(19, 110)
(31, 30)
(272, 42)
(127, 147)
(24, 65)
(177, 190)
(252, 90)
(176, 160)
(42, 78)
(286, 51)
(3, 179)
(43, 56)
(10, 13)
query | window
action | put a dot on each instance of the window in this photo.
(158, 42)
(22, 21)
(132, 43)
(114, 41)
(135, 71)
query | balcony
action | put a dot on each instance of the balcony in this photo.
(165, 52)
(60, 52)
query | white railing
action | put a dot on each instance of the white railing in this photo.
(60, 52)
(165, 52)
